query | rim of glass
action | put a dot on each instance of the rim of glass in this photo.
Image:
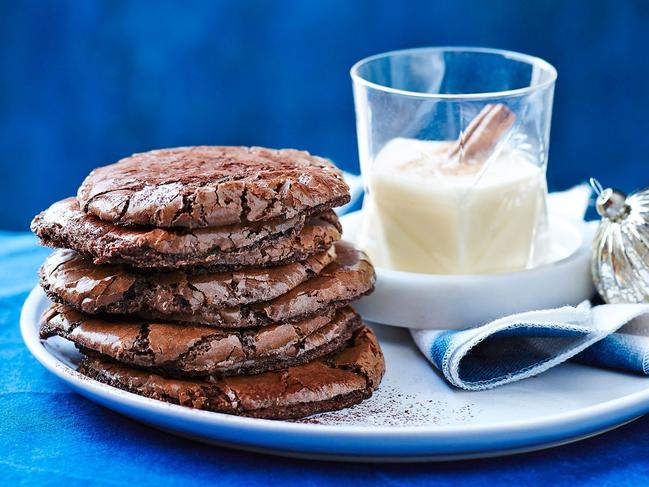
(516, 56)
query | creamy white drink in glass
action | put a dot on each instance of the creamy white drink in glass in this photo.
(453, 145)
(424, 215)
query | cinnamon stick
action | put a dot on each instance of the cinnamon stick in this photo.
(479, 140)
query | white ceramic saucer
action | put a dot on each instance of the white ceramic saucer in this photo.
(431, 301)
(414, 415)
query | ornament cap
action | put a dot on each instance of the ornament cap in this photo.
(610, 203)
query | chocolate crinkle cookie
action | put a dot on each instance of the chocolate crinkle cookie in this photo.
(210, 186)
(70, 277)
(201, 350)
(64, 225)
(203, 298)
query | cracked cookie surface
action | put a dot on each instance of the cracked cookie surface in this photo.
(206, 186)
(200, 350)
(70, 277)
(64, 225)
(335, 381)
(200, 298)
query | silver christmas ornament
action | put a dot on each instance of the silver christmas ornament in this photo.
(620, 262)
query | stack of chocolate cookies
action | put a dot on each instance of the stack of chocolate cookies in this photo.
(215, 278)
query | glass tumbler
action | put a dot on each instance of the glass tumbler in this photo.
(453, 145)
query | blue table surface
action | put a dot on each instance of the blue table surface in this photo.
(49, 435)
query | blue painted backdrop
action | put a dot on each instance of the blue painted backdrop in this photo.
(86, 82)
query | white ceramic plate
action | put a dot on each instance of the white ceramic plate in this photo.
(413, 416)
(430, 301)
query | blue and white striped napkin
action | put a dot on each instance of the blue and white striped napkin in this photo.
(526, 344)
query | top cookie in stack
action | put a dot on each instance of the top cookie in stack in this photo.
(197, 187)
(183, 267)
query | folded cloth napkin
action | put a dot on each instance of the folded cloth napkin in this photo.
(522, 345)
(526, 344)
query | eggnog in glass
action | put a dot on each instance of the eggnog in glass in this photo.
(453, 146)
